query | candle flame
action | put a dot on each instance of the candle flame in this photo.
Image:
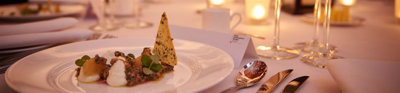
(347, 2)
(217, 2)
(258, 12)
(263, 48)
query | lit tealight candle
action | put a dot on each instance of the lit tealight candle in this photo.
(216, 3)
(257, 11)
(342, 13)
(347, 2)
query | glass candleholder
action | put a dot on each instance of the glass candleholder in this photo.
(257, 11)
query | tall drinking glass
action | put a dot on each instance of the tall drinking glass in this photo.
(321, 57)
(275, 51)
(137, 23)
(314, 44)
(105, 17)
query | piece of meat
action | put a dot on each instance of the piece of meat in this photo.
(147, 51)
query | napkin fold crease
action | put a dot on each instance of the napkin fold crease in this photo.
(23, 40)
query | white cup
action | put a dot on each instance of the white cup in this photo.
(219, 19)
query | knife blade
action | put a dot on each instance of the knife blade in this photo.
(294, 84)
(272, 82)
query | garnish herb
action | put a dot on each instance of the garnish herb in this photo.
(147, 71)
(146, 60)
(80, 62)
(85, 57)
(131, 55)
(156, 67)
(151, 63)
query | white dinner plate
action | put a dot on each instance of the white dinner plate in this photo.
(354, 21)
(66, 10)
(199, 67)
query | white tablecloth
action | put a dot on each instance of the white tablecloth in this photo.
(377, 39)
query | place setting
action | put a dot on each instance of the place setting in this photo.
(228, 46)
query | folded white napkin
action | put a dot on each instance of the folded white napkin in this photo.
(23, 40)
(365, 76)
(39, 26)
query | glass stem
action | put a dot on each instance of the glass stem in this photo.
(111, 6)
(326, 25)
(277, 30)
(136, 11)
(317, 14)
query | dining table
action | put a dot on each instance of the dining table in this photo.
(376, 38)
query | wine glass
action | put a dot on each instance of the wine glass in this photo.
(314, 44)
(275, 51)
(105, 17)
(137, 23)
(321, 57)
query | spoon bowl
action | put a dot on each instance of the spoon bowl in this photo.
(249, 75)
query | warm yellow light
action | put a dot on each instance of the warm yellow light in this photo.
(217, 2)
(348, 2)
(258, 12)
(263, 48)
(397, 8)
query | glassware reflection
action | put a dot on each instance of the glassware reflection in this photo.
(137, 22)
(104, 9)
(322, 55)
(275, 51)
(314, 44)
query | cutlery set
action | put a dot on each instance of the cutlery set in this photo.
(254, 71)
(276, 79)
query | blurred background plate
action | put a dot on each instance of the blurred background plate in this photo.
(354, 21)
(13, 12)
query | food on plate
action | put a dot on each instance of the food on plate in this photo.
(91, 68)
(31, 9)
(116, 74)
(163, 47)
(118, 69)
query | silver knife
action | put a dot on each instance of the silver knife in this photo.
(272, 82)
(294, 84)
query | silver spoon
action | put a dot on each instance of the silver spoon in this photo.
(249, 75)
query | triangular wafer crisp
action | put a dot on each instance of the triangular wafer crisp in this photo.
(163, 46)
